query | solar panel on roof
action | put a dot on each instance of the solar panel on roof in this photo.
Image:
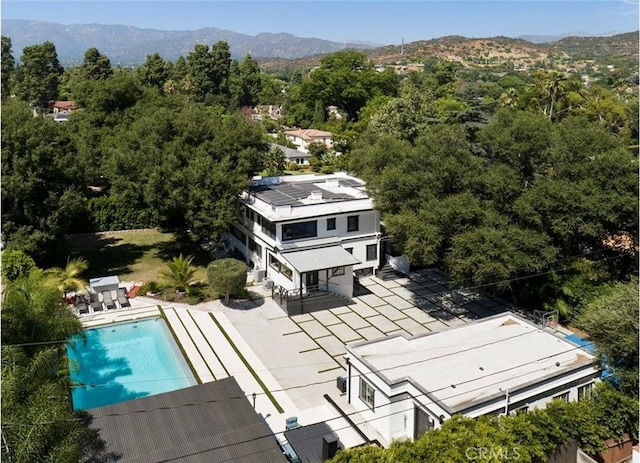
(349, 182)
(292, 193)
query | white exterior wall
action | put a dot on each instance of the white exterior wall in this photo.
(367, 234)
(395, 420)
(399, 263)
(339, 284)
(299, 142)
(303, 146)
(378, 418)
(280, 280)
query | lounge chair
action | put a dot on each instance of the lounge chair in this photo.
(82, 308)
(96, 306)
(108, 300)
(122, 298)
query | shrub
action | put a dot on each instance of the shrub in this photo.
(292, 166)
(227, 277)
(195, 294)
(151, 287)
(16, 264)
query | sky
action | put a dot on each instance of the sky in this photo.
(379, 22)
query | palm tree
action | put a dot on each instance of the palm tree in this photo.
(32, 311)
(275, 162)
(36, 397)
(552, 85)
(68, 278)
(180, 273)
(509, 98)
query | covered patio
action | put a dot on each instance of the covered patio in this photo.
(315, 272)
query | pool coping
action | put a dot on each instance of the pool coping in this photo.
(118, 316)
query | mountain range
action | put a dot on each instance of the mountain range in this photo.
(128, 45)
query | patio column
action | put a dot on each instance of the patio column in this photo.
(301, 294)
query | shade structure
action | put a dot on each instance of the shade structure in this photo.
(319, 258)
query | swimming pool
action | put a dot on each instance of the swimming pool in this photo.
(126, 361)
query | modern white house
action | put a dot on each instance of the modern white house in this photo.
(308, 234)
(403, 386)
(302, 138)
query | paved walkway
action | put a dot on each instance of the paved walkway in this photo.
(299, 358)
(203, 337)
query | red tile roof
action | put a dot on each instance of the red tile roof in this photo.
(66, 105)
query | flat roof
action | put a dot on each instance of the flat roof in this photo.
(319, 258)
(472, 363)
(210, 422)
(282, 191)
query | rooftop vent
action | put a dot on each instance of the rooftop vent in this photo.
(332, 183)
(315, 196)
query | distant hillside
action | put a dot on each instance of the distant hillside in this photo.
(128, 45)
(621, 45)
(567, 53)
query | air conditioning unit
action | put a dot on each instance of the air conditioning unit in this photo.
(341, 383)
(267, 283)
(258, 275)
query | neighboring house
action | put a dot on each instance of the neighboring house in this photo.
(309, 233)
(61, 110)
(299, 157)
(64, 106)
(302, 138)
(274, 112)
(403, 386)
(222, 427)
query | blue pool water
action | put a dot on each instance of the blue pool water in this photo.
(126, 361)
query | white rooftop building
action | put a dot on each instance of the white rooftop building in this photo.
(501, 364)
(308, 234)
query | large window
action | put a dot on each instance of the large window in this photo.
(296, 231)
(331, 224)
(278, 266)
(239, 235)
(353, 223)
(564, 396)
(584, 391)
(268, 228)
(255, 247)
(367, 394)
(372, 251)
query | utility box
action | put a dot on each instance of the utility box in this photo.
(329, 446)
(341, 383)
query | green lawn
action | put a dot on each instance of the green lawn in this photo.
(134, 255)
